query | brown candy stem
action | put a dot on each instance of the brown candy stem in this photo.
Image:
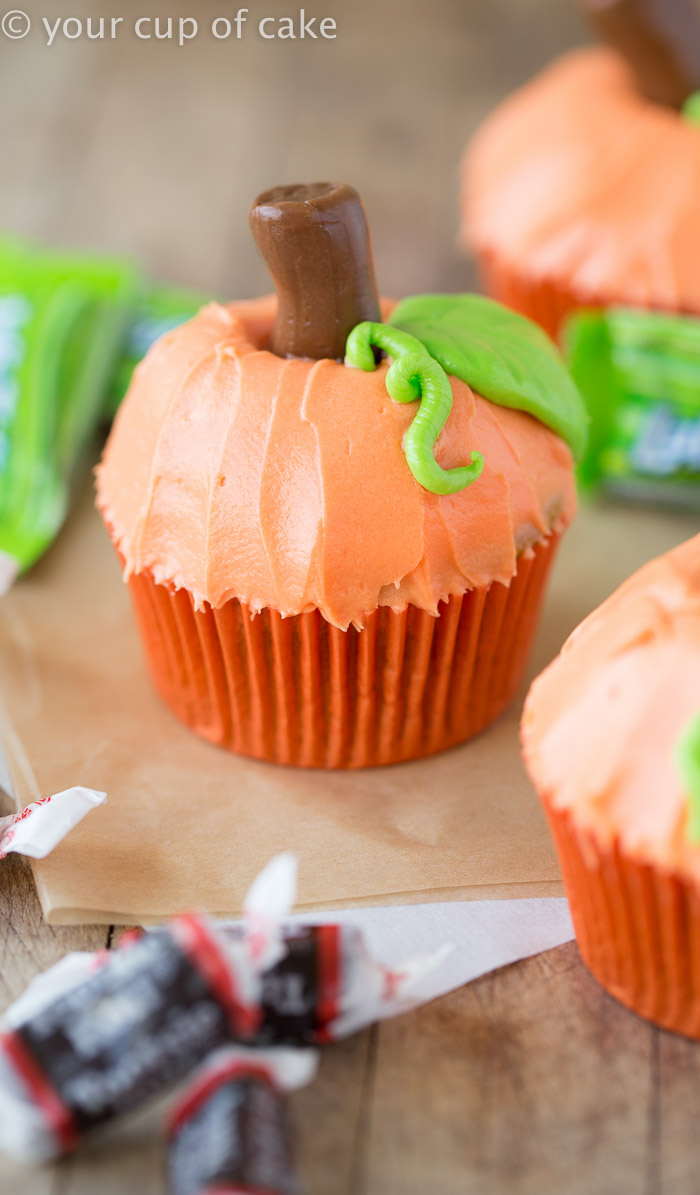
(660, 40)
(316, 243)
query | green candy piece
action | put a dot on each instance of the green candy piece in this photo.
(161, 310)
(500, 354)
(62, 321)
(691, 108)
(639, 373)
(414, 375)
(687, 760)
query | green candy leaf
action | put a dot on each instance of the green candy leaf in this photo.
(687, 760)
(500, 354)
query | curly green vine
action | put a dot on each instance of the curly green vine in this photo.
(413, 375)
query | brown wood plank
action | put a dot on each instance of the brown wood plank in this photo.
(27, 944)
(327, 1118)
(531, 1080)
(678, 1142)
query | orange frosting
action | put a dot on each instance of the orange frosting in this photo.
(601, 722)
(578, 179)
(235, 473)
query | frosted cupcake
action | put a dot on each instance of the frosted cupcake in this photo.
(611, 739)
(337, 559)
(583, 188)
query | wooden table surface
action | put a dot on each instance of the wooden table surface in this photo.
(531, 1080)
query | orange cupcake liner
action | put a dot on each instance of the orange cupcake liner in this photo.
(548, 304)
(299, 691)
(638, 927)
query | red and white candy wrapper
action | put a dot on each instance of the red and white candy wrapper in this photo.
(320, 982)
(42, 825)
(327, 985)
(229, 1133)
(107, 1032)
(100, 1034)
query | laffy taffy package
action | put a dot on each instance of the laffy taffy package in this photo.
(639, 373)
(161, 309)
(63, 318)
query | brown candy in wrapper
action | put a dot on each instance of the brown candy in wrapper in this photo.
(327, 985)
(229, 1132)
(137, 1023)
(98, 1035)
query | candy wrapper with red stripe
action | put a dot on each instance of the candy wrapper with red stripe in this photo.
(229, 1131)
(36, 830)
(101, 1034)
(328, 985)
(136, 1022)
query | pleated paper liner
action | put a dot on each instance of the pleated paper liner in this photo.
(638, 927)
(547, 303)
(299, 691)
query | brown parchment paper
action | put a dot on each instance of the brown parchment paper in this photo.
(188, 826)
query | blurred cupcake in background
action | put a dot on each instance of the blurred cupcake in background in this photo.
(336, 561)
(580, 202)
(611, 740)
(583, 187)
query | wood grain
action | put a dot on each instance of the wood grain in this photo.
(531, 1081)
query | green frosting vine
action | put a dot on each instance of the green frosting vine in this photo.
(414, 374)
(687, 759)
(502, 355)
(691, 108)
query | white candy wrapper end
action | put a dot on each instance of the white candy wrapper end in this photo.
(374, 992)
(269, 901)
(41, 992)
(39, 828)
(289, 1067)
(24, 1132)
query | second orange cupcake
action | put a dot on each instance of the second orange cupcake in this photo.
(611, 738)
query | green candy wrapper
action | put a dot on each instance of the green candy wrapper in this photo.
(639, 373)
(63, 318)
(162, 309)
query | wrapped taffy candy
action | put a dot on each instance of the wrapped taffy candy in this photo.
(159, 311)
(62, 320)
(327, 984)
(99, 1034)
(39, 827)
(639, 372)
(131, 1024)
(229, 1131)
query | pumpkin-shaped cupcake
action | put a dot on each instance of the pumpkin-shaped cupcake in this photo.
(583, 188)
(611, 739)
(337, 559)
